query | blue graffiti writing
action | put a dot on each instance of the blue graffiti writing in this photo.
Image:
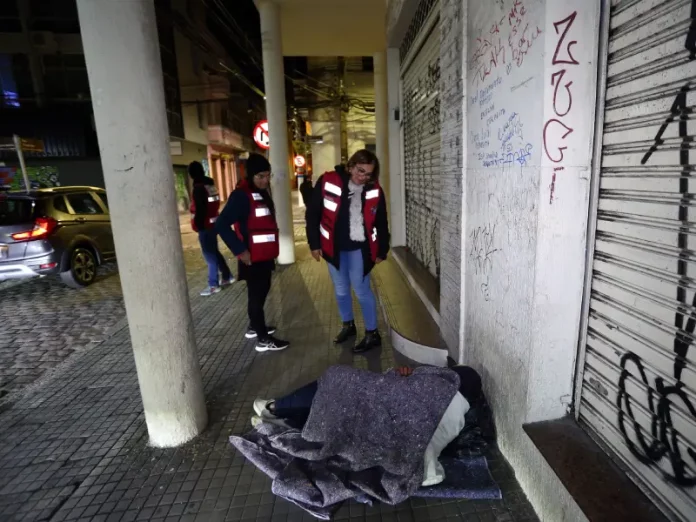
(484, 96)
(511, 128)
(508, 159)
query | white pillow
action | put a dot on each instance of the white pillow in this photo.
(451, 424)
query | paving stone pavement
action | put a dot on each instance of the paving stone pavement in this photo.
(43, 322)
(75, 447)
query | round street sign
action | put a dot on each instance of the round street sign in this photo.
(261, 135)
(299, 161)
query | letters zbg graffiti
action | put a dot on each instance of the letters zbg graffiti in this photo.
(663, 440)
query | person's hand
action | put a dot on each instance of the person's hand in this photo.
(378, 260)
(404, 371)
(245, 257)
(316, 254)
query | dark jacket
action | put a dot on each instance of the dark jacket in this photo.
(200, 198)
(342, 241)
(237, 211)
(306, 190)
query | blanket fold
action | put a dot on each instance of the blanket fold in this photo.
(365, 436)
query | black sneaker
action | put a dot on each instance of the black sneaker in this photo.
(372, 340)
(251, 334)
(271, 344)
(346, 332)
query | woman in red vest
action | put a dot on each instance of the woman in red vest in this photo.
(254, 241)
(347, 225)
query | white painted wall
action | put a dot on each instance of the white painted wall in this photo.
(523, 231)
(332, 28)
(525, 237)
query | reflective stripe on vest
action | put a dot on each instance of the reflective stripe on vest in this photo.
(332, 190)
(263, 243)
(212, 208)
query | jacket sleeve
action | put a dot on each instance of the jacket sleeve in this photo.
(236, 210)
(200, 199)
(382, 226)
(313, 216)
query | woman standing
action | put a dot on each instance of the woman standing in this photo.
(347, 225)
(254, 241)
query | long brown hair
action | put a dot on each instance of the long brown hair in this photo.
(365, 157)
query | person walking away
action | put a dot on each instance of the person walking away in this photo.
(205, 205)
(306, 191)
(347, 225)
(254, 241)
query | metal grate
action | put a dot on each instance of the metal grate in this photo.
(421, 127)
(424, 9)
(638, 389)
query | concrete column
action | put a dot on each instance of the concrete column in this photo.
(125, 75)
(382, 118)
(397, 196)
(276, 113)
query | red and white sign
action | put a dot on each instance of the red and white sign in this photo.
(261, 135)
(300, 161)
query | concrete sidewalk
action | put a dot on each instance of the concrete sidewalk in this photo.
(75, 448)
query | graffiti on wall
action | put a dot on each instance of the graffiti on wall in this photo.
(505, 45)
(556, 130)
(481, 255)
(664, 448)
(43, 176)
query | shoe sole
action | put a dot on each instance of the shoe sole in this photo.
(351, 336)
(255, 335)
(262, 349)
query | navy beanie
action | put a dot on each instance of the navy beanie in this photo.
(255, 164)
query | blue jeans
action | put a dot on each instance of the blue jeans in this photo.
(213, 257)
(351, 274)
(294, 407)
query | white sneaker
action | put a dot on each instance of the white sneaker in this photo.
(261, 409)
(210, 291)
(227, 282)
(271, 345)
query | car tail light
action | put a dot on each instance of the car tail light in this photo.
(43, 227)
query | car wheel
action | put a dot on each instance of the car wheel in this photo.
(83, 268)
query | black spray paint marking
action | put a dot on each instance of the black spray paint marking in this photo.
(665, 441)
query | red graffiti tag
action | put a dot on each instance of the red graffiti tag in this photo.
(567, 129)
(556, 79)
(568, 22)
(556, 131)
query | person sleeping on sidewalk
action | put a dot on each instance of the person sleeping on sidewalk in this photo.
(293, 410)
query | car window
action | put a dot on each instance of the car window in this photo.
(15, 211)
(59, 205)
(102, 195)
(84, 203)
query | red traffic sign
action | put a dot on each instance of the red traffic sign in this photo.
(300, 161)
(261, 135)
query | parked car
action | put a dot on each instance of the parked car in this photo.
(61, 230)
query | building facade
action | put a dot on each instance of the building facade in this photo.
(539, 162)
(45, 94)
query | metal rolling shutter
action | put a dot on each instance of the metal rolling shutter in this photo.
(420, 94)
(637, 390)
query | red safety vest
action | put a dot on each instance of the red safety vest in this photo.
(212, 208)
(262, 227)
(332, 190)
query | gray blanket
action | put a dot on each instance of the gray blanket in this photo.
(366, 436)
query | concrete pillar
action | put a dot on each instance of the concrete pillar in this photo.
(125, 76)
(397, 196)
(276, 113)
(382, 118)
